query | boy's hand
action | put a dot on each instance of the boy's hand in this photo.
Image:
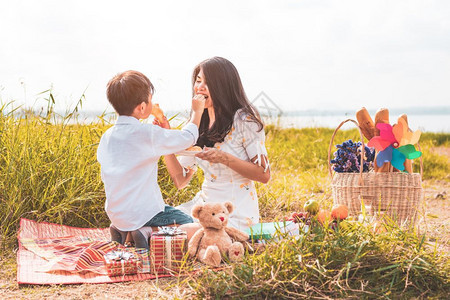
(198, 103)
(165, 124)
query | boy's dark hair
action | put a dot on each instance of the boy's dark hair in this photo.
(127, 90)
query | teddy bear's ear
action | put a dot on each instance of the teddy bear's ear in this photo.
(229, 206)
(196, 210)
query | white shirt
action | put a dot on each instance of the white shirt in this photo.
(221, 183)
(128, 154)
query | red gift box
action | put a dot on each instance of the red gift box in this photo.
(127, 261)
(167, 251)
(121, 263)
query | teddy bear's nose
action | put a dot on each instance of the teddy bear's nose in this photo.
(222, 218)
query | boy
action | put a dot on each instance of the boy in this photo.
(128, 154)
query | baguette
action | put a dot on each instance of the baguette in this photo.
(365, 123)
(381, 116)
(408, 162)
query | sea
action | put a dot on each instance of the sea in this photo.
(435, 120)
(423, 122)
(424, 119)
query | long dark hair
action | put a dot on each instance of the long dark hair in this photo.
(228, 95)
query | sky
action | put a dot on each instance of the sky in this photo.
(303, 55)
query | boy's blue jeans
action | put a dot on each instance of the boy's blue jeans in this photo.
(169, 216)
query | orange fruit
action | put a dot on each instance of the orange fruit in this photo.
(339, 212)
(324, 217)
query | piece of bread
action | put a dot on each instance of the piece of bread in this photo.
(365, 123)
(158, 113)
(404, 117)
(381, 116)
(194, 148)
(408, 162)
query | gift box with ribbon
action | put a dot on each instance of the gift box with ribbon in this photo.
(121, 262)
(167, 249)
(127, 261)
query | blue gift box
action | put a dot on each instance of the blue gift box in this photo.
(273, 230)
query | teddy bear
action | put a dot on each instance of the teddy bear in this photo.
(215, 240)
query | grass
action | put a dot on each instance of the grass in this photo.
(49, 172)
(350, 263)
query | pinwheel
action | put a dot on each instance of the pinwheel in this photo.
(395, 144)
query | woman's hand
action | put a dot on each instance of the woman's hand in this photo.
(198, 105)
(164, 124)
(214, 155)
(248, 169)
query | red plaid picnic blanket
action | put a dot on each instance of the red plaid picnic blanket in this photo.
(71, 254)
(47, 251)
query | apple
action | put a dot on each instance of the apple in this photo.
(311, 206)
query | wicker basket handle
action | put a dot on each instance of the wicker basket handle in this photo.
(362, 153)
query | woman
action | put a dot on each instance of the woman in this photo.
(232, 137)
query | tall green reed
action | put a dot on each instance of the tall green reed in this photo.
(48, 169)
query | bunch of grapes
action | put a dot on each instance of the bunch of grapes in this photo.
(302, 217)
(348, 156)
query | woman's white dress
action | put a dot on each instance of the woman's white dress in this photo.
(222, 183)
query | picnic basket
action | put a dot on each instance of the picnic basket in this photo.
(394, 194)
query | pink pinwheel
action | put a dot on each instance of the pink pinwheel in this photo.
(395, 144)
